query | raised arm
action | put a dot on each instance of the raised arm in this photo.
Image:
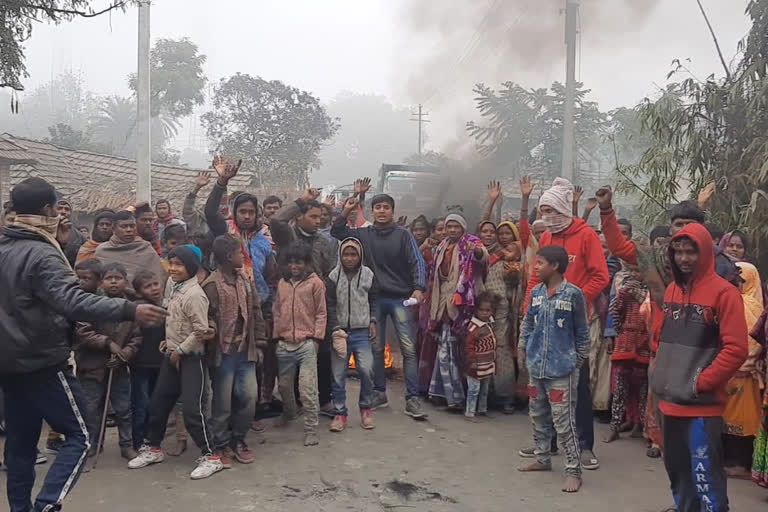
(616, 242)
(225, 171)
(526, 187)
(494, 192)
(188, 209)
(340, 229)
(578, 191)
(597, 269)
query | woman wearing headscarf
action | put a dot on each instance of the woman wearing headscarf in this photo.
(742, 410)
(503, 280)
(456, 277)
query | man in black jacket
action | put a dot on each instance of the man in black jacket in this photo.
(41, 299)
(391, 252)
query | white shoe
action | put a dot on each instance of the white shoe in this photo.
(206, 466)
(146, 457)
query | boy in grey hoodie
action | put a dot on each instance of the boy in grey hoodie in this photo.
(351, 293)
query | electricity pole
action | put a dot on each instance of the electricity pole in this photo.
(420, 118)
(143, 114)
(571, 16)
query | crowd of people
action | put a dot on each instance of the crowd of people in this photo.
(206, 320)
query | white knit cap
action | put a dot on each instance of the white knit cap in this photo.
(455, 217)
(559, 197)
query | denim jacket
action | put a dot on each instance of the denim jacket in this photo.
(555, 331)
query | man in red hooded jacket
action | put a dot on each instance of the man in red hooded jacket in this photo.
(587, 270)
(703, 343)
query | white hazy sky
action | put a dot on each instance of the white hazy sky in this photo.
(334, 45)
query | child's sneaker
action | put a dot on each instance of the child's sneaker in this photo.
(146, 457)
(338, 424)
(207, 465)
(226, 455)
(366, 419)
(243, 454)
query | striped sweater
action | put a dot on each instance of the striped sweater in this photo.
(480, 350)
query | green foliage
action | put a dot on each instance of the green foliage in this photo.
(714, 130)
(17, 17)
(277, 130)
(176, 78)
(522, 131)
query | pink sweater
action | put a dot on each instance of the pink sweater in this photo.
(299, 310)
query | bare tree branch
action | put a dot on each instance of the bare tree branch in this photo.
(53, 11)
(717, 43)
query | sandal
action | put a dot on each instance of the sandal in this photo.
(654, 452)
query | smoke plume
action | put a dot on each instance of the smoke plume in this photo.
(469, 41)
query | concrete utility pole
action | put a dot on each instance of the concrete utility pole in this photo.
(143, 114)
(420, 118)
(571, 16)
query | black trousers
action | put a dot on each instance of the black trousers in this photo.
(693, 457)
(188, 383)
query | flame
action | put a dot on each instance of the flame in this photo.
(387, 359)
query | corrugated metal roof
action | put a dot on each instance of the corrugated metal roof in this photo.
(92, 181)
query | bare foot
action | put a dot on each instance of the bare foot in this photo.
(637, 432)
(612, 436)
(310, 439)
(536, 466)
(177, 449)
(572, 484)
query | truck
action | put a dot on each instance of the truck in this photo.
(417, 189)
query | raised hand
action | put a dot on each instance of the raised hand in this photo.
(310, 194)
(225, 169)
(526, 186)
(330, 200)
(402, 220)
(578, 192)
(706, 194)
(350, 205)
(362, 185)
(604, 196)
(494, 190)
(202, 180)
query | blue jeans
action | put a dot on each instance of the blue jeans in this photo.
(57, 398)
(405, 327)
(142, 385)
(235, 390)
(552, 403)
(95, 393)
(303, 359)
(359, 344)
(477, 395)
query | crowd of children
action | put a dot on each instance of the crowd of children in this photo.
(546, 313)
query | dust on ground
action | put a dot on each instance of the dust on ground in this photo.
(445, 464)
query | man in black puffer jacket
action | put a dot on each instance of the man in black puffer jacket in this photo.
(40, 300)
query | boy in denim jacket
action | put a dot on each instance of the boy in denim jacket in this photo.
(555, 337)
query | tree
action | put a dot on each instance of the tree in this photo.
(277, 129)
(18, 17)
(714, 130)
(63, 100)
(523, 128)
(176, 78)
(64, 136)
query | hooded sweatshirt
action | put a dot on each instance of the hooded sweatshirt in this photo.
(586, 262)
(703, 337)
(351, 298)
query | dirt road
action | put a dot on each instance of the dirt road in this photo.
(445, 464)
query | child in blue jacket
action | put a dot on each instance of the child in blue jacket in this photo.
(555, 337)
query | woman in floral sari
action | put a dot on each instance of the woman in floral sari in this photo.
(456, 275)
